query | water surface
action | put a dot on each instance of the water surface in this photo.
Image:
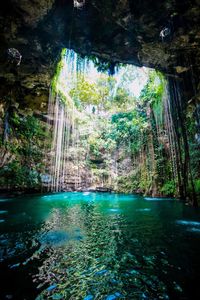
(98, 246)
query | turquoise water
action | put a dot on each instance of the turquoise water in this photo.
(98, 246)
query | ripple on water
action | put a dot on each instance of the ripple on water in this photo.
(115, 210)
(187, 223)
(158, 199)
(3, 212)
(194, 229)
(5, 200)
(143, 209)
(120, 255)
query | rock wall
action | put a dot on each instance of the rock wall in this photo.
(159, 34)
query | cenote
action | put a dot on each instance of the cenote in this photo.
(99, 150)
(98, 246)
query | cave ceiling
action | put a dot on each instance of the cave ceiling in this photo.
(160, 34)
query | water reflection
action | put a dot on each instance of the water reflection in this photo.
(97, 270)
(101, 246)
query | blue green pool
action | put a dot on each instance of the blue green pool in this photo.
(98, 246)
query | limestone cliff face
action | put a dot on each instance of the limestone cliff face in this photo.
(159, 34)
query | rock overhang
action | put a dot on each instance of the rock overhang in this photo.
(157, 34)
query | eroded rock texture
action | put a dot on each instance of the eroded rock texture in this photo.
(159, 34)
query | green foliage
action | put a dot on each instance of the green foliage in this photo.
(17, 175)
(119, 130)
(128, 128)
(145, 179)
(96, 146)
(101, 145)
(197, 186)
(153, 91)
(128, 184)
(58, 70)
(26, 141)
(96, 93)
(27, 127)
(133, 133)
(169, 188)
(104, 65)
(85, 92)
(61, 85)
(122, 97)
(100, 173)
(192, 129)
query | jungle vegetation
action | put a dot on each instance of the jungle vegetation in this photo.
(146, 144)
